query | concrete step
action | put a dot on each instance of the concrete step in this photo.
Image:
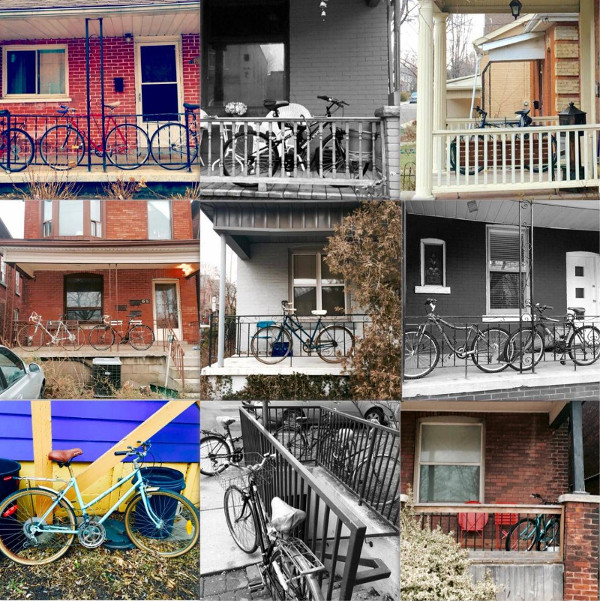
(191, 385)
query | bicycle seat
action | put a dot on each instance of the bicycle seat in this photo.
(273, 105)
(226, 421)
(579, 311)
(64, 456)
(284, 517)
(112, 105)
(523, 112)
(191, 107)
(319, 313)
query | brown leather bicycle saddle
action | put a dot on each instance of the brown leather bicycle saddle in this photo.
(64, 456)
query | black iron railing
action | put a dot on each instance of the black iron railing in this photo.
(331, 529)
(239, 330)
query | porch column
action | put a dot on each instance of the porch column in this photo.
(424, 163)
(439, 78)
(222, 280)
(587, 63)
(577, 447)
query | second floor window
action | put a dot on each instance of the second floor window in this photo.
(17, 282)
(159, 220)
(70, 218)
(2, 271)
(35, 71)
(95, 219)
(47, 222)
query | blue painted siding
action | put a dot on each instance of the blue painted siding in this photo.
(95, 426)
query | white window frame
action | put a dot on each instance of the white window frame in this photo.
(449, 421)
(2, 271)
(17, 282)
(506, 314)
(428, 289)
(318, 256)
(8, 98)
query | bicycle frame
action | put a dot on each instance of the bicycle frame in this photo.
(54, 337)
(432, 318)
(109, 123)
(296, 325)
(138, 485)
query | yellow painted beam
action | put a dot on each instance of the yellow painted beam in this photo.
(41, 427)
(165, 415)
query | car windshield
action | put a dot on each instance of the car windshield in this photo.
(12, 368)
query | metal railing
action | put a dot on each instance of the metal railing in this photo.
(342, 151)
(473, 122)
(331, 529)
(127, 141)
(239, 330)
(488, 529)
(544, 157)
(555, 338)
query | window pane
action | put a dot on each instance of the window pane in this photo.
(159, 220)
(327, 276)
(504, 290)
(12, 368)
(84, 297)
(333, 299)
(70, 221)
(160, 102)
(450, 444)
(51, 71)
(2, 270)
(47, 210)
(504, 250)
(305, 269)
(305, 299)
(95, 210)
(167, 313)
(158, 63)
(20, 67)
(433, 255)
(448, 483)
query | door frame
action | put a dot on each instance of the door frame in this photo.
(140, 41)
(178, 331)
(587, 255)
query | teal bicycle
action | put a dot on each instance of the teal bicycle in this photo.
(38, 524)
(540, 532)
(272, 342)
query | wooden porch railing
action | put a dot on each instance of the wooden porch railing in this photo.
(483, 529)
(516, 158)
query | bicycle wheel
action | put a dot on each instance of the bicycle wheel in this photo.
(271, 344)
(476, 158)
(74, 340)
(215, 455)
(20, 512)
(19, 146)
(31, 337)
(547, 159)
(380, 479)
(293, 440)
(550, 535)
(102, 337)
(239, 518)
(490, 350)
(168, 146)
(524, 350)
(127, 146)
(62, 147)
(300, 586)
(522, 536)
(178, 528)
(140, 337)
(334, 343)
(248, 154)
(584, 345)
(421, 354)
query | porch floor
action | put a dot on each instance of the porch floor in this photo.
(247, 366)
(452, 380)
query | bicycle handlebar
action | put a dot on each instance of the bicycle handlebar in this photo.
(333, 100)
(145, 446)
(258, 466)
(431, 301)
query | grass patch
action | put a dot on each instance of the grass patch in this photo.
(103, 574)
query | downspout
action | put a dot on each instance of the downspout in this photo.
(483, 86)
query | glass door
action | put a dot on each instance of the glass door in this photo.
(167, 307)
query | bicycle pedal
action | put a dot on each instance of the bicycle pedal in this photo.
(255, 585)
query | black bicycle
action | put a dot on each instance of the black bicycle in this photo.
(17, 147)
(476, 152)
(526, 347)
(422, 351)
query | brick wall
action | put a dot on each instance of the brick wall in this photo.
(566, 65)
(45, 294)
(522, 455)
(344, 56)
(581, 548)
(466, 264)
(122, 219)
(9, 301)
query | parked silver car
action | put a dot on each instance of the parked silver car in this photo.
(18, 380)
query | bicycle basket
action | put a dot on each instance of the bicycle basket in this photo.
(239, 474)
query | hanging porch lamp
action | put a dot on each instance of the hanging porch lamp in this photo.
(515, 8)
(323, 7)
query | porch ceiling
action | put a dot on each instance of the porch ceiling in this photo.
(66, 23)
(492, 6)
(557, 214)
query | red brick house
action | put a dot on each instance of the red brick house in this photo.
(457, 455)
(11, 292)
(86, 258)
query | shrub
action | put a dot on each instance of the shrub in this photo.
(434, 567)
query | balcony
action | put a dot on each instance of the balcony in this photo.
(320, 158)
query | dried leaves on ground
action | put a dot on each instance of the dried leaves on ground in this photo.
(103, 574)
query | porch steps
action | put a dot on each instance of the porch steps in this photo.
(191, 364)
